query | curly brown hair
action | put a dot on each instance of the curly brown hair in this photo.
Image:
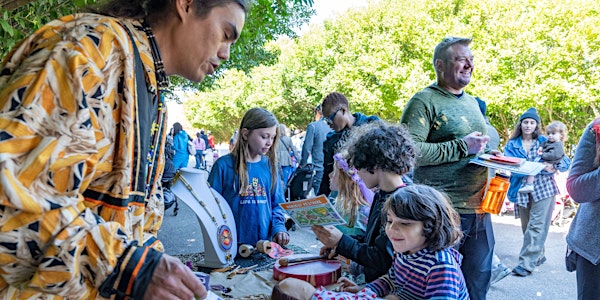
(441, 223)
(384, 146)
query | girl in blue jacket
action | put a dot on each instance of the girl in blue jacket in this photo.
(534, 209)
(247, 178)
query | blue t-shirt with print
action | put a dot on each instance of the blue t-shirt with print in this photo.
(256, 211)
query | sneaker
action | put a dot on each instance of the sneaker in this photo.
(520, 271)
(526, 189)
(290, 224)
(540, 261)
(497, 276)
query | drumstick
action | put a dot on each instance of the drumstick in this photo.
(284, 262)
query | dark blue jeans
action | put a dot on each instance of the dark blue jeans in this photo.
(588, 279)
(477, 248)
(199, 159)
(316, 183)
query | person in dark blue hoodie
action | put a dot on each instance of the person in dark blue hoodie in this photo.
(337, 115)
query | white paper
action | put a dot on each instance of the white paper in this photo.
(212, 296)
(528, 168)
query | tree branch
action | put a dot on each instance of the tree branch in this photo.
(12, 4)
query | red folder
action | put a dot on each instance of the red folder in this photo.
(506, 160)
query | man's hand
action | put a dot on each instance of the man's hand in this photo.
(496, 153)
(282, 238)
(173, 280)
(476, 142)
(328, 235)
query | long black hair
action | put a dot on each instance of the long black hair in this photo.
(517, 132)
(154, 10)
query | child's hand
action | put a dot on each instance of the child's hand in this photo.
(282, 238)
(549, 167)
(496, 153)
(328, 235)
(348, 285)
(330, 252)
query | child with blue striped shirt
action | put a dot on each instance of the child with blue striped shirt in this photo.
(422, 227)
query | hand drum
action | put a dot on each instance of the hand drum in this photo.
(316, 272)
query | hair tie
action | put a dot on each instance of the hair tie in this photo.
(353, 173)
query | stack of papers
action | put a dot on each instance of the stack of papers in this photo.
(511, 164)
(505, 160)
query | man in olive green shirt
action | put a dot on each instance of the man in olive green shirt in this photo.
(449, 129)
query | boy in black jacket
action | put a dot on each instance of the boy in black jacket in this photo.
(381, 153)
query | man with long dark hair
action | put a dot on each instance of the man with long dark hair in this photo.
(82, 134)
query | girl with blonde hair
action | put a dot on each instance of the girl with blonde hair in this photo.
(247, 178)
(354, 198)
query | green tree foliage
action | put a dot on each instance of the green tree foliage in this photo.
(540, 53)
(267, 20)
(22, 19)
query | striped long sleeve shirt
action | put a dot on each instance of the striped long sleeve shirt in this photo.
(424, 275)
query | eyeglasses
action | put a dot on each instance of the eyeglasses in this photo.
(329, 119)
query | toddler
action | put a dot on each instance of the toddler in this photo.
(551, 151)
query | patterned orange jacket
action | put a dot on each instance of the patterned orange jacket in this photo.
(80, 199)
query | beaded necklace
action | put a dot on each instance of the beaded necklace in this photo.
(159, 68)
(224, 235)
